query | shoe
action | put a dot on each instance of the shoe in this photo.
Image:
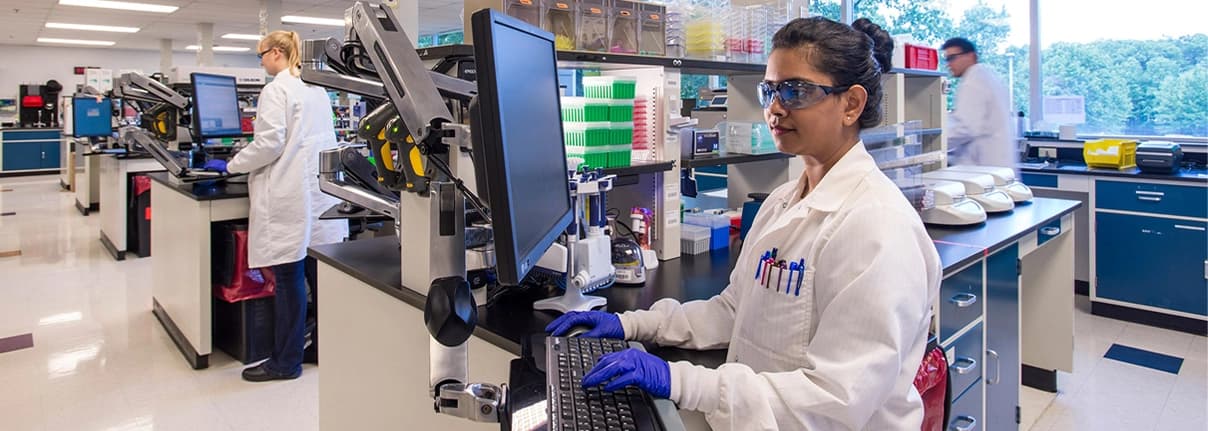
(261, 374)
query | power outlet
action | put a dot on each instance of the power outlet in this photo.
(1047, 153)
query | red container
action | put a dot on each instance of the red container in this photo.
(921, 57)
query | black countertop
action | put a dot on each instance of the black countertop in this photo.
(510, 318)
(1192, 175)
(206, 190)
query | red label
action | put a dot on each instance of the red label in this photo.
(147, 214)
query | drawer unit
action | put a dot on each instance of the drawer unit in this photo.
(965, 360)
(30, 135)
(960, 300)
(1039, 180)
(966, 412)
(1169, 199)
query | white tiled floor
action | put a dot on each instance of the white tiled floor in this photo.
(100, 361)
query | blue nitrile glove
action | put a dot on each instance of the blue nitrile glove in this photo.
(631, 367)
(216, 165)
(603, 325)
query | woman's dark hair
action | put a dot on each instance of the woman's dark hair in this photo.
(855, 54)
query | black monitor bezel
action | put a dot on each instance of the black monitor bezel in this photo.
(490, 167)
(195, 124)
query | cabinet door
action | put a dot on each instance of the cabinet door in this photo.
(1002, 339)
(1151, 261)
(22, 155)
(50, 155)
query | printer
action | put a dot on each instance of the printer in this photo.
(1159, 157)
(1004, 179)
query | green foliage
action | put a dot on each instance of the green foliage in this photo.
(1182, 107)
(1072, 69)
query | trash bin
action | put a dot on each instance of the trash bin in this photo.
(138, 216)
(243, 297)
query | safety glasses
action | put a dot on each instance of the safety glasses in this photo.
(795, 93)
(261, 54)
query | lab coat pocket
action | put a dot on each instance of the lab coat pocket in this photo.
(774, 335)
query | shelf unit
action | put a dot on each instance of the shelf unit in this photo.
(732, 159)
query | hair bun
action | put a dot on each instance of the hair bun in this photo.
(882, 42)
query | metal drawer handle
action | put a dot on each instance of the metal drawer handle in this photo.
(997, 368)
(1149, 198)
(1050, 231)
(970, 424)
(1186, 227)
(964, 365)
(962, 300)
(1147, 193)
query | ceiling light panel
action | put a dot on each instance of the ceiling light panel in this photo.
(91, 27)
(295, 19)
(76, 41)
(121, 5)
(220, 48)
(237, 36)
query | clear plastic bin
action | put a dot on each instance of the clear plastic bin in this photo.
(695, 239)
(593, 25)
(625, 27)
(653, 40)
(560, 18)
(526, 10)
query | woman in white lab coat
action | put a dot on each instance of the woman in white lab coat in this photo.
(293, 124)
(827, 312)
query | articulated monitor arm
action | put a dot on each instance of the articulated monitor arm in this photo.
(410, 133)
(135, 86)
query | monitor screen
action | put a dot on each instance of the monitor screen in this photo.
(215, 107)
(90, 118)
(521, 164)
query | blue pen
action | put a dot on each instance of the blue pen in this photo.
(801, 276)
(759, 266)
(792, 269)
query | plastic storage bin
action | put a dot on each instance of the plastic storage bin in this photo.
(625, 27)
(593, 25)
(653, 40)
(718, 225)
(610, 87)
(620, 111)
(1110, 153)
(694, 239)
(746, 138)
(560, 20)
(574, 109)
(921, 57)
(596, 109)
(526, 10)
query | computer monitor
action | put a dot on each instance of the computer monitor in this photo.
(90, 118)
(517, 135)
(215, 107)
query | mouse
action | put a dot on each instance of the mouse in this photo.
(577, 330)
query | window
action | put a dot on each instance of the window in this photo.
(1144, 75)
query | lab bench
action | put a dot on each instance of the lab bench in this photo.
(375, 361)
(181, 270)
(1143, 247)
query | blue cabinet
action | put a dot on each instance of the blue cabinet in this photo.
(25, 150)
(50, 152)
(960, 297)
(1152, 261)
(1002, 338)
(22, 156)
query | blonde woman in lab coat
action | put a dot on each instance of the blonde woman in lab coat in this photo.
(293, 124)
(827, 312)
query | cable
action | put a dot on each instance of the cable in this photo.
(473, 199)
(631, 232)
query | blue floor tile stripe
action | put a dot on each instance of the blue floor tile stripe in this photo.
(1144, 358)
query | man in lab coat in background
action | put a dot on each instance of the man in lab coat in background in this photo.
(979, 127)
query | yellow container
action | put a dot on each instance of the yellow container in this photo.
(1110, 153)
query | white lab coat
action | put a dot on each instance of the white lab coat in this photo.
(980, 129)
(844, 353)
(293, 123)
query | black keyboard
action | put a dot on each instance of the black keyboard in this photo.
(571, 407)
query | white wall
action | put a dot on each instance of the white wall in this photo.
(37, 64)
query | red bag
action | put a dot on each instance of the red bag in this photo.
(244, 283)
(932, 383)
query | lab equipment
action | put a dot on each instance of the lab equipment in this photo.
(1110, 153)
(718, 224)
(601, 324)
(1159, 157)
(215, 107)
(979, 187)
(746, 138)
(1004, 179)
(589, 257)
(699, 144)
(593, 25)
(952, 207)
(628, 262)
(91, 117)
(694, 239)
(575, 407)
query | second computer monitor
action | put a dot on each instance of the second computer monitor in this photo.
(520, 157)
(91, 117)
(215, 107)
